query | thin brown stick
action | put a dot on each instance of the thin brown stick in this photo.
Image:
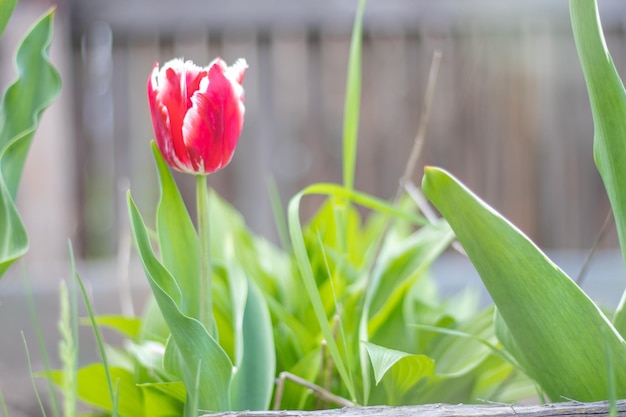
(330, 363)
(319, 391)
(421, 202)
(608, 220)
(420, 136)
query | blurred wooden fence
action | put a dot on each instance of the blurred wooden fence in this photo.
(510, 117)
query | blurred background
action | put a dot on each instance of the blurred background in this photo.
(510, 118)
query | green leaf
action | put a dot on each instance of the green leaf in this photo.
(14, 242)
(561, 332)
(175, 390)
(254, 381)
(6, 9)
(37, 85)
(92, 379)
(163, 399)
(178, 241)
(399, 266)
(127, 326)
(407, 369)
(200, 355)
(608, 106)
(353, 100)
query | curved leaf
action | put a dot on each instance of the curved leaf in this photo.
(37, 85)
(564, 336)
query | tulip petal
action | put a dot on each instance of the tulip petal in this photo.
(160, 118)
(212, 125)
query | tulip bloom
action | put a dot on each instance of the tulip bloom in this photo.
(197, 113)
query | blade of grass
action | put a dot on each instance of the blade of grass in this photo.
(32, 378)
(353, 100)
(96, 331)
(279, 215)
(41, 344)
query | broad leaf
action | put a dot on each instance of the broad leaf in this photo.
(563, 335)
(92, 378)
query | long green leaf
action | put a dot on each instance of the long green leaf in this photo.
(200, 355)
(353, 100)
(563, 335)
(37, 85)
(608, 106)
(178, 241)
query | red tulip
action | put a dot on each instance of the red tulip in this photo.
(197, 113)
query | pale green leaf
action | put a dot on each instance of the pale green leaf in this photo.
(253, 383)
(564, 336)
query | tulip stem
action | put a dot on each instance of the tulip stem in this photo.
(206, 273)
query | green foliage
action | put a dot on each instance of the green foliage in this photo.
(349, 307)
(23, 102)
